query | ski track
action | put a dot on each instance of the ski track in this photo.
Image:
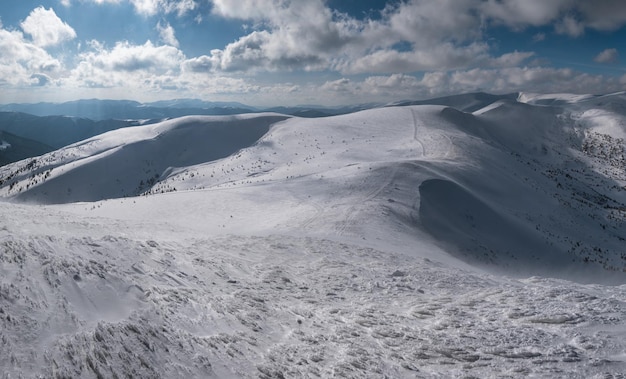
(350, 217)
(434, 138)
(416, 132)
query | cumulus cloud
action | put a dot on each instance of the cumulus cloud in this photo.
(125, 66)
(438, 83)
(448, 34)
(603, 15)
(167, 34)
(510, 59)
(607, 56)
(181, 7)
(153, 7)
(598, 14)
(248, 9)
(426, 23)
(444, 56)
(339, 85)
(46, 28)
(126, 57)
(21, 61)
(570, 26)
(201, 64)
(307, 35)
(536, 79)
(146, 7)
(517, 13)
(149, 69)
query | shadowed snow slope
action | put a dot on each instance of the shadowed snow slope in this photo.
(392, 242)
(126, 161)
(468, 102)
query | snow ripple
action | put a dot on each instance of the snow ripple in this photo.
(279, 307)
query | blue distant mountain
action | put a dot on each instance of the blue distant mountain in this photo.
(57, 131)
(95, 109)
(98, 110)
(14, 148)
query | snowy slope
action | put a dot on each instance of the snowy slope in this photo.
(124, 162)
(416, 241)
(519, 187)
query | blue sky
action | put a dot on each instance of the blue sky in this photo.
(289, 52)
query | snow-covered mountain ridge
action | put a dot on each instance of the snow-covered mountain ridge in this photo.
(508, 182)
(408, 241)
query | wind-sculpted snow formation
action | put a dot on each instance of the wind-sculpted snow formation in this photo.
(408, 241)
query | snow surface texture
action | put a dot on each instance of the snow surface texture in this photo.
(418, 241)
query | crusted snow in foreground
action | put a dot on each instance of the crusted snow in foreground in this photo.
(102, 303)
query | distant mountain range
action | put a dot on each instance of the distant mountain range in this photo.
(58, 131)
(14, 148)
(98, 110)
(43, 127)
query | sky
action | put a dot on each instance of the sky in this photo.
(305, 52)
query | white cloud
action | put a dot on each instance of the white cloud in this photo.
(536, 79)
(66, 3)
(339, 85)
(153, 7)
(603, 15)
(126, 57)
(426, 23)
(248, 9)
(438, 83)
(517, 13)
(510, 59)
(21, 61)
(607, 56)
(146, 7)
(148, 70)
(181, 7)
(46, 28)
(307, 35)
(598, 14)
(570, 26)
(445, 56)
(167, 34)
(445, 34)
(201, 64)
